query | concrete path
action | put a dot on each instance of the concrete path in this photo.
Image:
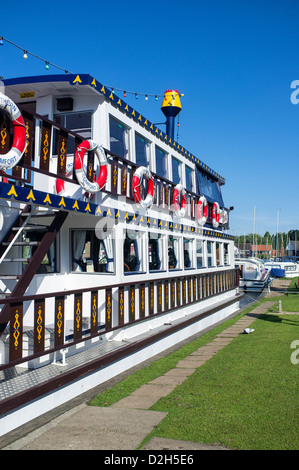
(125, 424)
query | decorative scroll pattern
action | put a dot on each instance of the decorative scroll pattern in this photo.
(108, 308)
(159, 307)
(59, 321)
(151, 298)
(16, 332)
(166, 295)
(39, 325)
(78, 316)
(45, 147)
(121, 306)
(94, 312)
(132, 303)
(142, 301)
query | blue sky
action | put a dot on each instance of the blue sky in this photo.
(233, 60)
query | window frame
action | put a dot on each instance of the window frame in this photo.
(141, 247)
(87, 270)
(127, 128)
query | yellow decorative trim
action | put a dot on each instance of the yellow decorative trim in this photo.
(77, 80)
(30, 195)
(12, 191)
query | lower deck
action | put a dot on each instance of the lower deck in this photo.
(29, 393)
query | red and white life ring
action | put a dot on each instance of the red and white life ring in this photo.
(14, 155)
(91, 187)
(215, 214)
(202, 211)
(179, 210)
(141, 172)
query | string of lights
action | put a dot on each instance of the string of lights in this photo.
(48, 64)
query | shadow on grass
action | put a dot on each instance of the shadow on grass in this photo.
(279, 319)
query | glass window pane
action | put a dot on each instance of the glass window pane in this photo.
(142, 148)
(176, 171)
(217, 254)
(189, 178)
(161, 163)
(209, 254)
(133, 251)
(155, 251)
(91, 254)
(199, 253)
(78, 121)
(119, 138)
(173, 253)
(188, 253)
(226, 256)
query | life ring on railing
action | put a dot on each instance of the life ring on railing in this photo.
(202, 210)
(215, 214)
(14, 155)
(223, 219)
(179, 210)
(91, 187)
(60, 184)
(141, 172)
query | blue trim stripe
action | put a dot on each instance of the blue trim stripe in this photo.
(41, 198)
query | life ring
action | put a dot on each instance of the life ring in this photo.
(179, 210)
(60, 189)
(202, 211)
(223, 219)
(91, 187)
(14, 155)
(141, 172)
(215, 214)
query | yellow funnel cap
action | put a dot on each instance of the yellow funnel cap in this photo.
(171, 98)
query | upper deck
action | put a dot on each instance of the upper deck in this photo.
(61, 111)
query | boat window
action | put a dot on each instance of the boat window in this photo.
(189, 179)
(79, 122)
(155, 251)
(49, 263)
(226, 254)
(161, 162)
(188, 253)
(199, 254)
(202, 183)
(210, 253)
(142, 149)
(133, 251)
(209, 187)
(91, 254)
(176, 171)
(215, 191)
(173, 253)
(218, 259)
(290, 268)
(119, 138)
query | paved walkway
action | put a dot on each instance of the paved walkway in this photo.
(125, 424)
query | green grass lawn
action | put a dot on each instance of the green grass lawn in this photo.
(245, 397)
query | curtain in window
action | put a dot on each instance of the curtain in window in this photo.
(51, 257)
(108, 244)
(79, 237)
(160, 252)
